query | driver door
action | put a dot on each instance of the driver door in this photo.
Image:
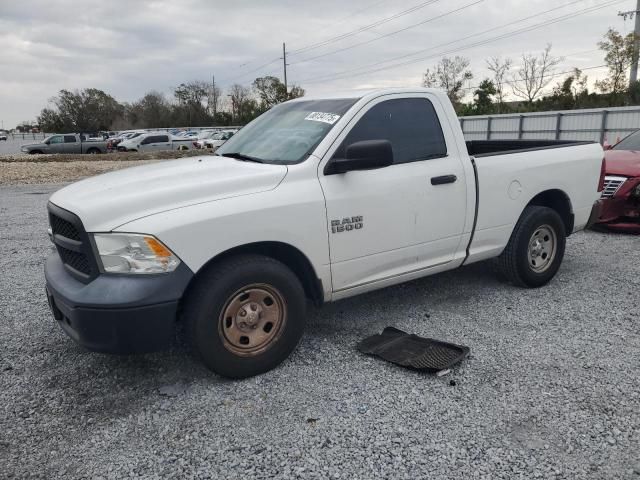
(392, 221)
(56, 144)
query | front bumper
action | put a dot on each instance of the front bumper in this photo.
(116, 313)
(622, 211)
(596, 212)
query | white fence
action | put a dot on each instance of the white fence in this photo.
(598, 124)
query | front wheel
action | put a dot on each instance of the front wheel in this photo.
(245, 315)
(536, 248)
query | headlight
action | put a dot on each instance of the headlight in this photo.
(636, 191)
(134, 253)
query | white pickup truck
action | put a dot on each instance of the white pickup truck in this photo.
(154, 142)
(318, 198)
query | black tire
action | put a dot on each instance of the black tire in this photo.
(93, 151)
(212, 295)
(515, 262)
(35, 152)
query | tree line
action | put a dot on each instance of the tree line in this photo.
(192, 104)
(527, 82)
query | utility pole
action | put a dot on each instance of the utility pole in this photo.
(284, 63)
(633, 76)
(213, 96)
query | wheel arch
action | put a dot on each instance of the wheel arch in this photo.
(559, 201)
(289, 255)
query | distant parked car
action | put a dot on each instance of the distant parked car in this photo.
(621, 194)
(68, 143)
(153, 142)
(202, 136)
(3, 136)
(218, 139)
(112, 143)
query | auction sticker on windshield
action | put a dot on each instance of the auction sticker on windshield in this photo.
(329, 118)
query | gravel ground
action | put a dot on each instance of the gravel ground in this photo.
(19, 173)
(551, 390)
(39, 169)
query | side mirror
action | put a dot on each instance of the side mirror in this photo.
(365, 155)
(47, 142)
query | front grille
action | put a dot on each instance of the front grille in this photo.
(77, 261)
(63, 228)
(612, 185)
(72, 243)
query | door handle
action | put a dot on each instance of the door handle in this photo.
(443, 179)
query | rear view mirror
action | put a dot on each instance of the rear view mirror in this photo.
(365, 155)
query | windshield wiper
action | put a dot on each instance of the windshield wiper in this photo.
(240, 156)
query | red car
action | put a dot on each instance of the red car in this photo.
(621, 194)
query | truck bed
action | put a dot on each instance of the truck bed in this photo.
(483, 148)
(510, 172)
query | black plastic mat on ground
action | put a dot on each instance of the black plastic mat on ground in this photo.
(412, 351)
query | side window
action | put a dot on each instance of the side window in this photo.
(162, 139)
(410, 124)
(57, 139)
(148, 140)
(69, 139)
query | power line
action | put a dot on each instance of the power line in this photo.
(271, 62)
(390, 33)
(348, 73)
(508, 24)
(360, 10)
(337, 38)
(340, 21)
(362, 29)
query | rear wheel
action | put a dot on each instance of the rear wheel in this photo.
(245, 316)
(536, 248)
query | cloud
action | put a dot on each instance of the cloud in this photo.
(128, 48)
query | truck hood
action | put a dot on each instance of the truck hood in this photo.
(112, 199)
(623, 162)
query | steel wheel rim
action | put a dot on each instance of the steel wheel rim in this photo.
(252, 319)
(542, 248)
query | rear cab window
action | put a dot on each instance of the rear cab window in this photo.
(69, 139)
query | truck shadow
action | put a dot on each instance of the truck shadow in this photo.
(419, 298)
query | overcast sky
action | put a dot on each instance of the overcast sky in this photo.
(127, 47)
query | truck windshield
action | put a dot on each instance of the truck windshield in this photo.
(288, 132)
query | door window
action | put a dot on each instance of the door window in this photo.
(410, 124)
(69, 139)
(57, 139)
